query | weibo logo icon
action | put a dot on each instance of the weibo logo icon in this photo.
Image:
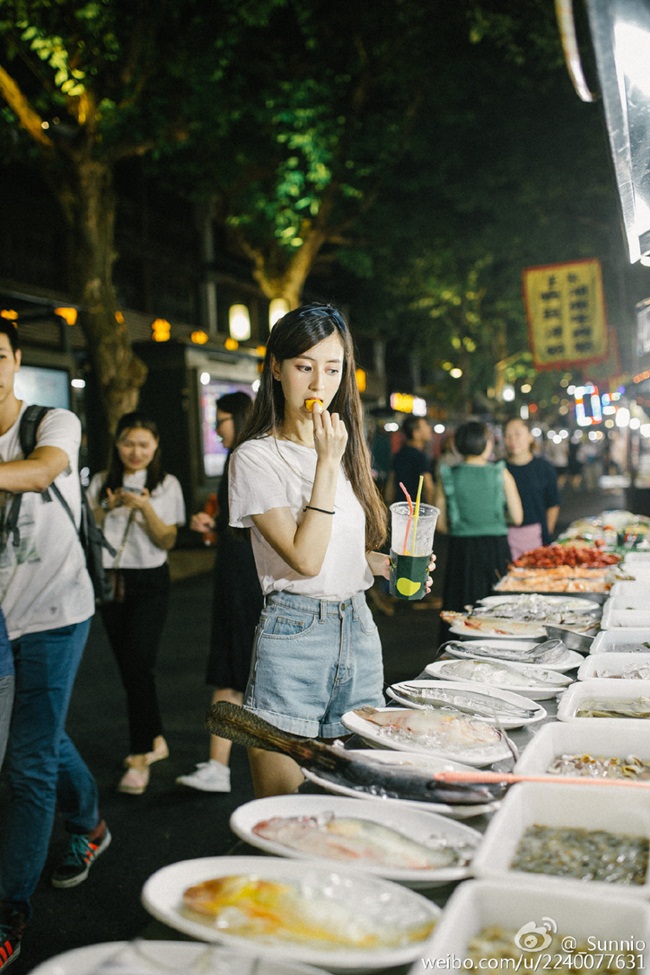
(535, 937)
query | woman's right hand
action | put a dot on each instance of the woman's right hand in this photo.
(112, 500)
(202, 522)
(330, 435)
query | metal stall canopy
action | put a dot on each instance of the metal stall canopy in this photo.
(620, 35)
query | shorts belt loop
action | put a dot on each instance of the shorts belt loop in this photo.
(355, 607)
(323, 611)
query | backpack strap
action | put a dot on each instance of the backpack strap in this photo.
(29, 424)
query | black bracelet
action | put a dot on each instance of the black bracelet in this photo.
(323, 511)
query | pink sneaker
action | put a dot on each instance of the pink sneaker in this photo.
(135, 780)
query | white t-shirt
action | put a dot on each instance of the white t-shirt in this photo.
(269, 473)
(139, 551)
(44, 583)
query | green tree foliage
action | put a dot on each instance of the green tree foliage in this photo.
(507, 169)
(87, 84)
(319, 113)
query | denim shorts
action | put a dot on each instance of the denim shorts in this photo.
(313, 660)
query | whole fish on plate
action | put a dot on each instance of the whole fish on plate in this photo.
(492, 625)
(534, 608)
(490, 671)
(453, 733)
(360, 840)
(467, 702)
(267, 910)
(341, 765)
(548, 652)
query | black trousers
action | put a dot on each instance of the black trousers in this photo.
(134, 628)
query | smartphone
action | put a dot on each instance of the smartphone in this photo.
(133, 490)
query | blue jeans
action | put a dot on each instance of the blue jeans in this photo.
(43, 766)
(6, 704)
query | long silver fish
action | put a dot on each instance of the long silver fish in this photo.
(549, 652)
(338, 765)
(363, 841)
(468, 702)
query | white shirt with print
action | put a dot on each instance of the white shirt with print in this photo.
(44, 583)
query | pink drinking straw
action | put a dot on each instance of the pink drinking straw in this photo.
(410, 517)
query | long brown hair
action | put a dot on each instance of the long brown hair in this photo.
(291, 337)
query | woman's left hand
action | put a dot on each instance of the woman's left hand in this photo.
(430, 568)
(380, 566)
(134, 501)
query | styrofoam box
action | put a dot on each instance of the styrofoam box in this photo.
(613, 665)
(622, 617)
(620, 641)
(575, 909)
(592, 736)
(639, 571)
(615, 808)
(603, 689)
(627, 593)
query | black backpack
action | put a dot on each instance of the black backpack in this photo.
(90, 535)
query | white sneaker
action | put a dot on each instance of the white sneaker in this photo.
(210, 776)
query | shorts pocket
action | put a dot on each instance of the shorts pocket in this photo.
(284, 624)
(367, 620)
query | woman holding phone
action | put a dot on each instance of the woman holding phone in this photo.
(139, 507)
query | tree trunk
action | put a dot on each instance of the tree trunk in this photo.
(289, 283)
(87, 197)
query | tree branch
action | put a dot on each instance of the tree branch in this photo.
(28, 118)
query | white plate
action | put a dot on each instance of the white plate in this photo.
(477, 755)
(499, 630)
(354, 892)
(621, 641)
(153, 957)
(466, 650)
(602, 689)
(614, 665)
(444, 670)
(519, 905)
(557, 603)
(561, 805)
(419, 760)
(465, 690)
(592, 736)
(422, 827)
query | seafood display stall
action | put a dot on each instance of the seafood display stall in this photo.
(492, 811)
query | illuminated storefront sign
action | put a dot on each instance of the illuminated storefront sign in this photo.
(405, 403)
(588, 406)
(565, 307)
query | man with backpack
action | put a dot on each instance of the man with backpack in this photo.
(48, 600)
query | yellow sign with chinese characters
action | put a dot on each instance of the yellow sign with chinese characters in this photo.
(565, 307)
